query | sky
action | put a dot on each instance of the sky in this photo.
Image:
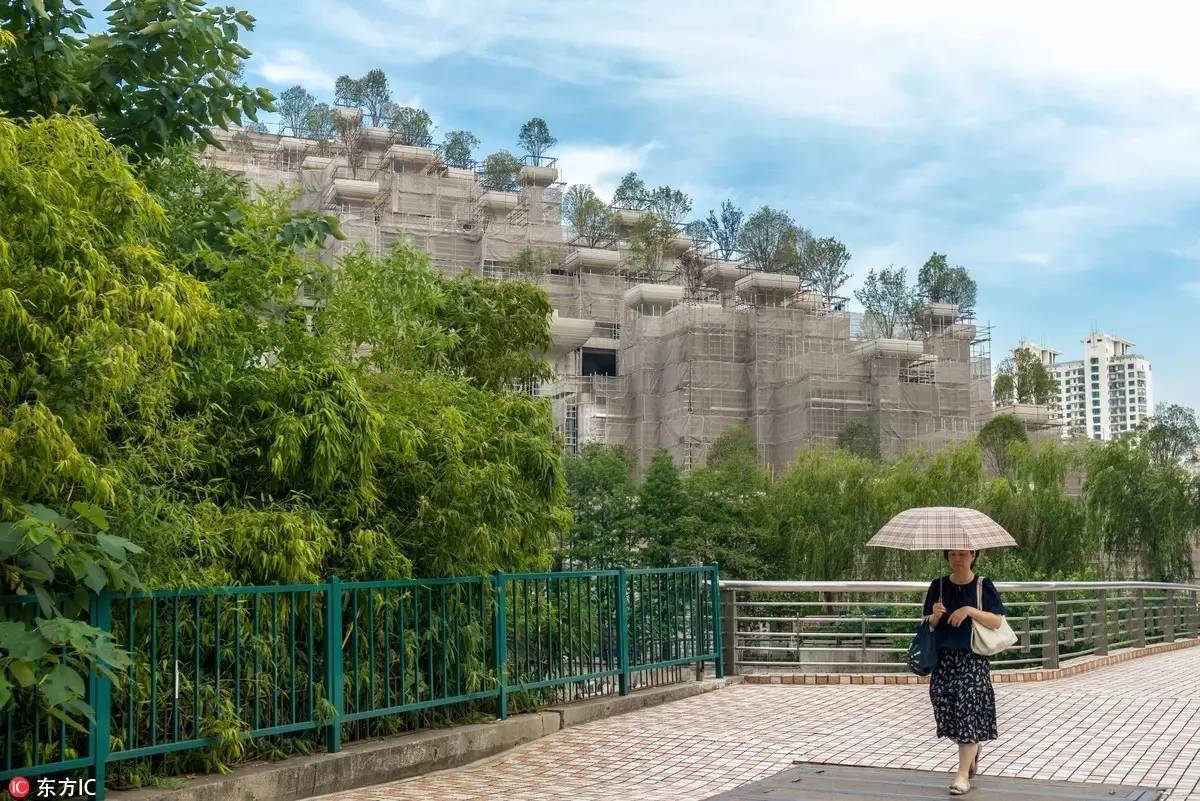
(1053, 149)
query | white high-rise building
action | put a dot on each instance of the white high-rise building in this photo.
(1104, 394)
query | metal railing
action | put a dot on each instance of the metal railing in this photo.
(279, 660)
(865, 627)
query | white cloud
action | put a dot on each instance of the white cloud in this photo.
(288, 67)
(601, 166)
(1192, 289)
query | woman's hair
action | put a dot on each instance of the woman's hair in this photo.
(974, 557)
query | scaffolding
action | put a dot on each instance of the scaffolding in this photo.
(680, 353)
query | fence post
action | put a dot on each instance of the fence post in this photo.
(718, 639)
(1139, 611)
(333, 662)
(101, 697)
(500, 644)
(622, 631)
(1169, 618)
(1050, 631)
(1101, 633)
(729, 630)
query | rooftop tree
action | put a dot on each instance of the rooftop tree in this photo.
(294, 105)
(589, 217)
(373, 94)
(726, 230)
(318, 123)
(937, 282)
(458, 149)
(670, 204)
(155, 72)
(535, 138)
(500, 171)
(888, 301)
(411, 126)
(1022, 378)
(826, 267)
(772, 241)
(631, 193)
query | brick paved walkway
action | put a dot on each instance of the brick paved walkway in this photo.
(1137, 723)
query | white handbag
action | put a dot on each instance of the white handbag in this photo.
(986, 641)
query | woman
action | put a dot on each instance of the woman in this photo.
(964, 703)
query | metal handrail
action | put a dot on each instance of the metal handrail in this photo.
(894, 586)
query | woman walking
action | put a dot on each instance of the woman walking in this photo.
(964, 703)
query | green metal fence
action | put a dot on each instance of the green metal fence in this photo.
(301, 658)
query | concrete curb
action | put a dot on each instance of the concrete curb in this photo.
(1073, 668)
(381, 761)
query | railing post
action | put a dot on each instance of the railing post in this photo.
(1100, 635)
(1169, 618)
(728, 645)
(622, 631)
(1194, 608)
(500, 644)
(333, 662)
(101, 697)
(1050, 631)
(1139, 613)
(718, 639)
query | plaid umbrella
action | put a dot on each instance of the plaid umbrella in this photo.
(936, 528)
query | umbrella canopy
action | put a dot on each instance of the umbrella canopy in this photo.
(936, 528)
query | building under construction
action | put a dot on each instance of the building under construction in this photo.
(665, 363)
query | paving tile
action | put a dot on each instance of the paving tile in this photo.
(1137, 722)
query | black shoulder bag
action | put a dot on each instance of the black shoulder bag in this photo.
(922, 651)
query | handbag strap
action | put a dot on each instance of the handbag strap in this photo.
(979, 592)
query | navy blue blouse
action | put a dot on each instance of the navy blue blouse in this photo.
(955, 596)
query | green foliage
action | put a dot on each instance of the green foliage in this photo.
(458, 149)
(370, 93)
(535, 138)
(530, 264)
(500, 171)
(158, 72)
(662, 503)
(648, 248)
(295, 104)
(937, 282)
(670, 204)
(318, 123)
(995, 438)
(593, 222)
(725, 231)
(890, 304)
(826, 261)
(773, 242)
(1172, 435)
(1023, 378)
(631, 193)
(860, 439)
(603, 498)
(411, 126)
(1141, 512)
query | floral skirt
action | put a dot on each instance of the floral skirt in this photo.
(964, 703)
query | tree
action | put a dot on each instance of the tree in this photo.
(725, 231)
(772, 241)
(889, 302)
(319, 123)
(155, 73)
(827, 267)
(691, 268)
(1141, 512)
(349, 126)
(1022, 378)
(670, 204)
(604, 501)
(661, 503)
(412, 126)
(458, 149)
(500, 171)
(346, 91)
(631, 193)
(937, 282)
(294, 106)
(648, 247)
(1172, 435)
(373, 94)
(593, 223)
(860, 439)
(996, 437)
(530, 264)
(535, 138)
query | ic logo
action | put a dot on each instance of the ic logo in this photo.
(18, 787)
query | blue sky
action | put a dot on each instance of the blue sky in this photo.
(1052, 149)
